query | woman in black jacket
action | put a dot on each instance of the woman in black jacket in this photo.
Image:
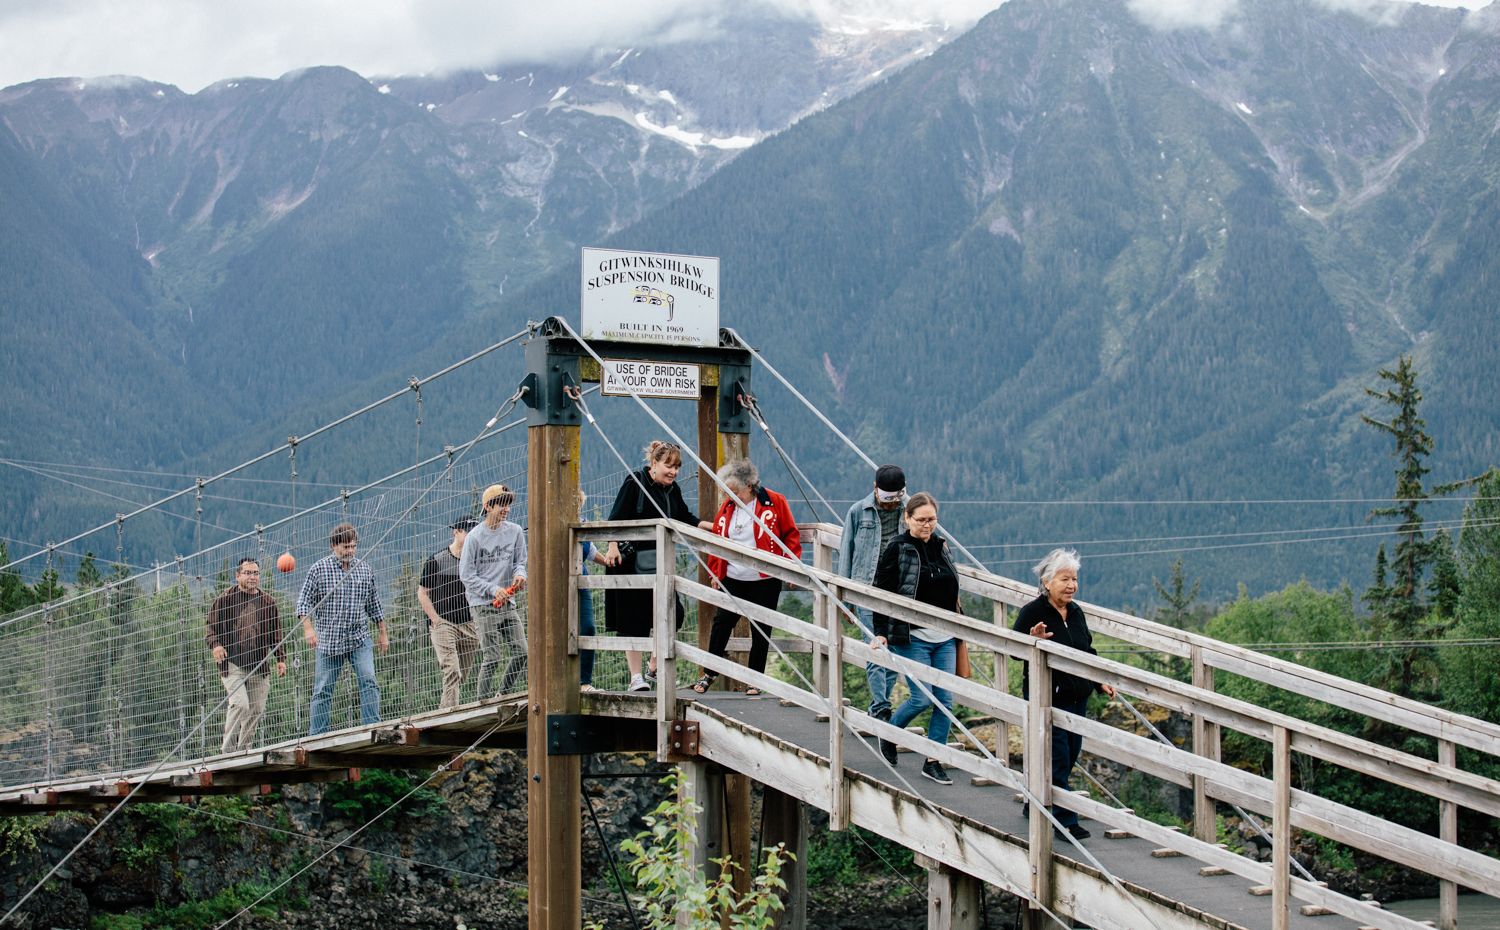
(1056, 616)
(916, 564)
(647, 494)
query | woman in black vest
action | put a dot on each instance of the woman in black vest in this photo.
(1056, 616)
(647, 494)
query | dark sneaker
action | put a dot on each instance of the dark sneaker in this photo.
(887, 749)
(934, 770)
(1077, 830)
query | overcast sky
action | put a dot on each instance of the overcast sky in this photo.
(192, 43)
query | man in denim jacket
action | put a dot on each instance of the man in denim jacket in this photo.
(869, 527)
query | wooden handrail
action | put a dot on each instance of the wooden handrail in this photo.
(1441, 780)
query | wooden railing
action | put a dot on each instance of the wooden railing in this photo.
(1198, 768)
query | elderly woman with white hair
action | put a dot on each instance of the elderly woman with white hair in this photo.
(755, 516)
(1056, 616)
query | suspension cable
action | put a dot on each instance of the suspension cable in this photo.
(818, 582)
(292, 629)
(322, 429)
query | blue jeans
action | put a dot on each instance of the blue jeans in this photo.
(326, 671)
(1065, 749)
(878, 677)
(586, 628)
(941, 656)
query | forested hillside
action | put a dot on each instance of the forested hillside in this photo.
(1067, 258)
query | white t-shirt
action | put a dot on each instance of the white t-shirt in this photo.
(742, 531)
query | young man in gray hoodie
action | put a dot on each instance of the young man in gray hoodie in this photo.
(492, 568)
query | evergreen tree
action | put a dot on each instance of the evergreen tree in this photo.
(1446, 584)
(1402, 608)
(14, 594)
(1176, 612)
(47, 587)
(1379, 592)
(88, 575)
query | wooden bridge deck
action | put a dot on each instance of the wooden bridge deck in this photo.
(787, 741)
(977, 829)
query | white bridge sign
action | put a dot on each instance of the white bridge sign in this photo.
(650, 297)
(676, 380)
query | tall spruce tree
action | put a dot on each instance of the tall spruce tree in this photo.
(1399, 606)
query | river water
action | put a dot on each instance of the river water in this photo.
(1475, 911)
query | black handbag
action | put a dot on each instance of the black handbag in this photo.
(645, 561)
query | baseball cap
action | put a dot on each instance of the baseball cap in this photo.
(890, 478)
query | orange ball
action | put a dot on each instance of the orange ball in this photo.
(286, 562)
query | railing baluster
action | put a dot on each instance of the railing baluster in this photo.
(838, 817)
(1448, 833)
(1281, 829)
(664, 629)
(1205, 744)
(1038, 766)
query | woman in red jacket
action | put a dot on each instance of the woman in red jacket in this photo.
(752, 516)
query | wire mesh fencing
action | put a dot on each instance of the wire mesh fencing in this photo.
(117, 676)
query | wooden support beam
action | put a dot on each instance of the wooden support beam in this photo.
(952, 897)
(786, 823)
(554, 785)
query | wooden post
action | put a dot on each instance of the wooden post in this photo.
(786, 822)
(825, 614)
(699, 784)
(664, 638)
(726, 448)
(554, 821)
(838, 812)
(1038, 764)
(708, 493)
(952, 897)
(1001, 617)
(1281, 829)
(1448, 833)
(1205, 744)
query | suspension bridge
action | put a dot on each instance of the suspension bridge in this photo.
(111, 696)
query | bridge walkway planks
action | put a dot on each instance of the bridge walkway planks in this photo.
(1225, 900)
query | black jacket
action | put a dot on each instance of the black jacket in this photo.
(899, 571)
(1073, 632)
(631, 503)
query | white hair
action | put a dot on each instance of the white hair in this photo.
(1052, 563)
(741, 473)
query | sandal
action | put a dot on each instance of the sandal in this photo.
(752, 692)
(704, 682)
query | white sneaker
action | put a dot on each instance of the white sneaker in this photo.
(639, 683)
(588, 689)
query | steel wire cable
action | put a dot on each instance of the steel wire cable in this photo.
(936, 704)
(293, 629)
(318, 431)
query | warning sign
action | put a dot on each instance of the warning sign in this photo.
(651, 379)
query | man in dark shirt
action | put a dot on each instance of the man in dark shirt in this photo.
(441, 594)
(244, 625)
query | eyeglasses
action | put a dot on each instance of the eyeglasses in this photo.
(921, 521)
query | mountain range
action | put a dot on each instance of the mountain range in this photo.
(1069, 256)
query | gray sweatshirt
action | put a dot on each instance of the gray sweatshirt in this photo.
(491, 559)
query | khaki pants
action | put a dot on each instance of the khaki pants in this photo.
(503, 639)
(457, 646)
(247, 704)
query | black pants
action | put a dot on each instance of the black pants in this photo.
(764, 593)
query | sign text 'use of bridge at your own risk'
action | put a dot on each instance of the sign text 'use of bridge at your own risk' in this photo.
(650, 297)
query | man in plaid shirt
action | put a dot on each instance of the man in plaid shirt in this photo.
(338, 599)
